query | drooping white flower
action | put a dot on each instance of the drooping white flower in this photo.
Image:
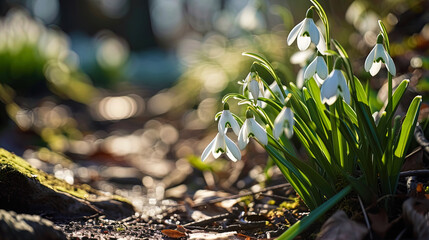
(227, 120)
(283, 123)
(222, 144)
(377, 56)
(335, 85)
(317, 67)
(251, 128)
(254, 85)
(305, 32)
(302, 57)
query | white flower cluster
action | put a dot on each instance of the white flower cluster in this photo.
(223, 144)
(333, 85)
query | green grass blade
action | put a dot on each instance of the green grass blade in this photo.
(300, 226)
(360, 92)
(351, 114)
(407, 130)
(384, 120)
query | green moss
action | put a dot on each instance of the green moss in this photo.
(11, 162)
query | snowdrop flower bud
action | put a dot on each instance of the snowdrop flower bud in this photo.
(305, 32)
(317, 66)
(227, 120)
(335, 85)
(251, 128)
(222, 144)
(378, 55)
(254, 84)
(283, 123)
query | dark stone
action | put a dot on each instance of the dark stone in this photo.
(23, 226)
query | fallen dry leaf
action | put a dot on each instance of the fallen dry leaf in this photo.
(244, 237)
(340, 227)
(173, 233)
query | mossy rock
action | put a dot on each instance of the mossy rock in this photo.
(25, 189)
(23, 226)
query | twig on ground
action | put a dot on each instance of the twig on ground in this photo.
(420, 172)
(242, 194)
(366, 218)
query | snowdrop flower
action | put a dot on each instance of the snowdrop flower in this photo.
(251, 128)
(302, 57)
(222, 144)
(334, 86)
(254, 84)
(317, 67)
(305, 32)
(378, 55)
(227, 120)
(283, 123)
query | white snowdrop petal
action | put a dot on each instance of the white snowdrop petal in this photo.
(232, 150)
(216, 154)
(321, 68)
(379, 53)
(311, 69)
(346, 96)
(321, 46)
(344, 88)
(219, 144)
(313, 31)
(294, 33)
(289, 117)
(278, 124)
(231, 120)
(235, 127)
(221, 126)
(207, 150)
(254, 88)
(390, 65)
(375, 68)
(303, 42)
(330, 99)
(243, 138)
(328, 91)
(369, 60)
(259, 132)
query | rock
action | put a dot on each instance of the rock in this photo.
(23, 226)
(25, 189)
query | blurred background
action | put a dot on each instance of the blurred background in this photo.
(119, 94)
